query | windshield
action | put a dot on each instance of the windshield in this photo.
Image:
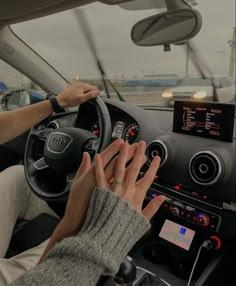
(143, 75)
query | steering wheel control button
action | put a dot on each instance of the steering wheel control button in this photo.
(42, 134)
(91, 145)
(41, 164)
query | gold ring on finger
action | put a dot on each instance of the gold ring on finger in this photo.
(118, 181)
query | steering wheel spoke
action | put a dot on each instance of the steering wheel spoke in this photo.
(70, 177)
(41, 164)
(42, 134)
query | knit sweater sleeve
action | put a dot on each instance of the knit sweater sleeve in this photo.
(110, 230)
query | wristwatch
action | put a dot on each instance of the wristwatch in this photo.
(55, 105)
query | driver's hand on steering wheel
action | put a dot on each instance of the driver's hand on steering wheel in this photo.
(77, 93)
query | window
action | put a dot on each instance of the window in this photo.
(12, 80)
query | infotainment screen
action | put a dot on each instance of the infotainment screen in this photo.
(210, 120)
(177, 234)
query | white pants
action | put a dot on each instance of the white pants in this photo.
(17, 201)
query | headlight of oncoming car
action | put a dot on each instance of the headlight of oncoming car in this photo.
(167, 94)
(199, 95)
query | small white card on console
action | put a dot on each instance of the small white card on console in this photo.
(177, 234)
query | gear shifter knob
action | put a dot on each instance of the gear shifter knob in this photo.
(127, 272)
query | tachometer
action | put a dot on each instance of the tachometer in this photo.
(131, 133)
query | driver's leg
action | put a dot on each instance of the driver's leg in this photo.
(16, 201)
(13, 268)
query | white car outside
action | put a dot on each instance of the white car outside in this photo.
(201, 90)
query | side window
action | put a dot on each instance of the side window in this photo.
(16, 90)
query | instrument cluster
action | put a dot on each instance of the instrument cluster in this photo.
(120, 130)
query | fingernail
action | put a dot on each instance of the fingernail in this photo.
(161, 199)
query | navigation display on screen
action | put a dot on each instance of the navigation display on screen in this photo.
(210, 120)
(177, 234)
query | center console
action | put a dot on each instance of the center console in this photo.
(196, 223)
(195, 227)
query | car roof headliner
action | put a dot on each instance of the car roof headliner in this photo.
(15, 11)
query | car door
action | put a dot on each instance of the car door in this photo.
(12, 152)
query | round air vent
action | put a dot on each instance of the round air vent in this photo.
(53, 125)
(205, 168)
(157, 148)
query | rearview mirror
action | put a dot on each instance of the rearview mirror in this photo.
(171, 27)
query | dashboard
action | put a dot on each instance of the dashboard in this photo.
(196, 144)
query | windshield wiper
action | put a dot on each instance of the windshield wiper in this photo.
(87, 31)
(202, 67)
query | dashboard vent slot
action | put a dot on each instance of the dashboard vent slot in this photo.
(205, 168)
(157, 148)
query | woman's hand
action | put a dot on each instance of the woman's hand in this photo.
(125, 182)
(84, 184)
(81, 192)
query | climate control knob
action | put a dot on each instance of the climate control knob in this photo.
(175, 211)
(203, 219)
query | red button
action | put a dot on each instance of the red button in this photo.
(217, 241)
(195, 194)
(177, 187)
(195, 218)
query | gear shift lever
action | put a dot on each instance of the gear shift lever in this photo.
(125, 276)
(127, 272)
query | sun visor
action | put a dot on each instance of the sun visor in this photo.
(13, 9)
(115, 2)
(19, 11)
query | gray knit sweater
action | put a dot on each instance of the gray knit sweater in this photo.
(110, 230)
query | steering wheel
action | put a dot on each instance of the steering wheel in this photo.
(61, 150)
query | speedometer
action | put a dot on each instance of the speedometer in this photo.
(131, 133)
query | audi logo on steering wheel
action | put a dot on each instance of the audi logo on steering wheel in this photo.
(58, 141)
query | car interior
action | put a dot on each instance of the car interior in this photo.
(192, 238)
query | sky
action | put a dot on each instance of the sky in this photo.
(58, 38)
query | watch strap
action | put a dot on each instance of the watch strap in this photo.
(55, 105)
